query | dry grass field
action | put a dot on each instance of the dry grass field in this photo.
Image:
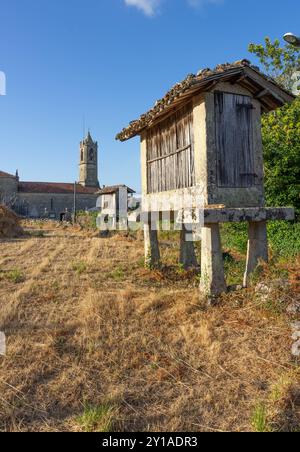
(96, 342)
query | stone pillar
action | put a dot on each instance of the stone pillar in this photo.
(187, 256)
(212, 269)
(152, 253)
(257, 247)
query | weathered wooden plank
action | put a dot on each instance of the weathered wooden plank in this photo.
(234, 138)
(170, 153)
(164, 157)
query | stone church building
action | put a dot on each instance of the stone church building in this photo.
(53, 199)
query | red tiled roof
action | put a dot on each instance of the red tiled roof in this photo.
(3, 174)
(54, 187)
(113, 189)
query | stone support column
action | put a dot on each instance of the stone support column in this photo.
(257, 247)
(212, 268)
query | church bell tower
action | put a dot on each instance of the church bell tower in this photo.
(88, 167)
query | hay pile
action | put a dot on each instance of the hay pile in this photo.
(9, 223)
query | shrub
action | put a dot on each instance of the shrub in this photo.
(284, 237)
(87, 219)
(281, 140)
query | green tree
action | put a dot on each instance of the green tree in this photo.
(281, 140)
(280, 63)
(281, 129)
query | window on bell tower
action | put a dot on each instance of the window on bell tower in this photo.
(91, 154)
(82, 155)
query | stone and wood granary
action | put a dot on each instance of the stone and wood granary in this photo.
(205, 136)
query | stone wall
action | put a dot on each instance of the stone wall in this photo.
(36, 204)
(8, 188)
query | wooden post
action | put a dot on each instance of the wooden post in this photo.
(187, 256)
(257, 247)
(212, 268)
(152, 253)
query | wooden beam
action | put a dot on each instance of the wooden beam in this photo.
(261, 94)
(178, 151)
(237, 79)
(211, 85)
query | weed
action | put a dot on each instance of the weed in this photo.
(180, 269)
(235, 236)
(234, 270)
(259, 419)
(97, 419)
(117, 274)
(79, 267)
(15, 276)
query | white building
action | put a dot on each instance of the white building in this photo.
(113, 203)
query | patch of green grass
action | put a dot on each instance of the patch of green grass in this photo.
(235, 236)
(180, 269)
(97, 418)
(15, 276)
(259, 419)
(234, 270)
(168, 235)
(284, 237)
(118, 274)
(275, 307)
(280, 411)
(79, 267)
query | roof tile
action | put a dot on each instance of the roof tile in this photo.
(192, 85)
(3, 174)
(55, 188)
(113, 189)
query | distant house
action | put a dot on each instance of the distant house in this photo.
(112, 202)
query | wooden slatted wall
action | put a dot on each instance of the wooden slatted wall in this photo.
(170, 153)
(234, 139)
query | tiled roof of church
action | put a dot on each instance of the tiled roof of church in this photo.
(113, 189)
(3, 174)
(55, 188)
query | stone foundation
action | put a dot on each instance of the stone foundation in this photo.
(212, 267)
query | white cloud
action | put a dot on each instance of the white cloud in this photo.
(148, 7)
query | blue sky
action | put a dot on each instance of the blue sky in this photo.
(109, 60)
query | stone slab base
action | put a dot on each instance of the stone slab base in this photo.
(228, 215)
(249, 214)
